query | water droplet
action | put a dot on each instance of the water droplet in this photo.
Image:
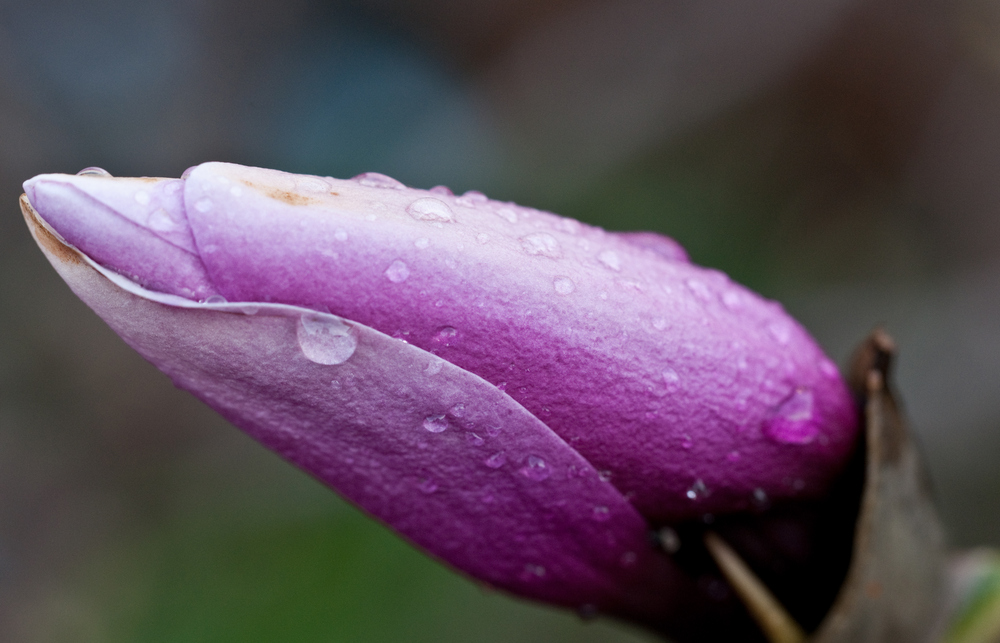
(610, 260)
(474, 440)
(427, 486)
(659, 323)
(93, 171)
(216, 299)
(446, 335)
(496, 460)
(435, 423)
(671, 377)
(142, 197)
(483, 238)
(699, 289)
(563, 285)
(397, 272)
(161, 221)
(732, 300)
(325, 339)
(628, 559)
(733, 456)
(541, 244)
(493, 431)
(508, 215)
(697, 491)
(340, 235)
(587, 611)
(535, 469)
(686, 442)
(434, 366)
(780, 331)
(203, 205)
(312, 184)
(760, 498)
(604, 475)
(236, 191)
(669, 540)
(794, 420)
(441, 189)
(376, 180)
(422, 243)
(428, 209)
(829, 369)
(600, 514)
(474, 196)
(457, 411)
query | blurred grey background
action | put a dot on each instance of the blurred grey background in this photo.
(841, 156)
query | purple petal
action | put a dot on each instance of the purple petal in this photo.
(437, 453)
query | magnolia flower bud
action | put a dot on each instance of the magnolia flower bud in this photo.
(520, 394)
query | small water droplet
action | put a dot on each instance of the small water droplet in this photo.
(496, 460)
(216, 299)
(161, 221)
(686, 442)
(563, 285)
(628, 559)
(474, 196)
(457, 411)
(610, 260)
(312, 184)
(699, 289)
(671, 377)
(732, 300)
(669, 540)
(829, 369)
(508, 215)
(697, 491)
(93, 171)
(142, 197)
(376, 180)
(600, 514)
(325, 340)
(446, 335)
(794, 420)
(659, 323)
(483, 238)
(604, 475)
(422, 243)
(434, 366)
(427, 486)
(535, 469)
(340, 235)
(760, 498)
(493, 431)
(397, 272)
(428, 209)
(474, 440)
(441, 189)
(733, 456)
(541, 244)
(780, 331)
(236, 191)
(435, 423)
(203, 205)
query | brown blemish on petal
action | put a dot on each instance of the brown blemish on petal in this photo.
(291, 198)
(48, 241)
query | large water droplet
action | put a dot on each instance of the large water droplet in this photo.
(446, 335)
(93, 171)
(397, 272)
(563, 285)
(435, 423)
(325, 339)
(536, 469)
(496, 460)
(216, 299)
(428, 209)
(794, 421)
(376, 180)
(697, 491)
(541, 244)
(610, 260)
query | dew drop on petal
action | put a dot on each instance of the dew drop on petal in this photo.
(671, 377)
(236, 191)
(733, 456)
(535, 469)
(376, 180)
(474, 439)
(422, 243)
(435, 423)
(93, 171)
(829, 369)
(483, 238)
(429, 209)
(441, 189)
(610, 260)
(434, 366)
(203, 205)
(697, 491)
(161, 221)
(475, 196)
(496, 460)
(446, 335)
(507, 215)
(670, 541)
(563, 285)
(142, 197)
(794, 420)
(780, 332)
(600, 514)
(659, 323)
(216, 299)
(340, 234)
(541, 244)
(732, 300)
(325, 340)
(397, 272)
(427, 486)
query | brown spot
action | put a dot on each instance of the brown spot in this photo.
(48, 241)
(149, 179)
(291, 198)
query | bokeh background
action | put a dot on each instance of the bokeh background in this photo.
(841, 156)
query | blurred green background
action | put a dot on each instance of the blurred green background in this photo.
(841, 156)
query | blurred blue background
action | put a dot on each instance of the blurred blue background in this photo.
(842, 156)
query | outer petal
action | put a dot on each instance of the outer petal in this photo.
(439, 454)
